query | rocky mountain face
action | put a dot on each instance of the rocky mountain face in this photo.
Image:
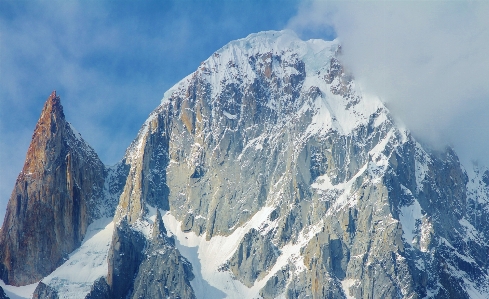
(56, 196)
(267, 173)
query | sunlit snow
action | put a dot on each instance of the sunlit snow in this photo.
(75, 277)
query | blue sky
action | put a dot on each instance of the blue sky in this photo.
(112, 61)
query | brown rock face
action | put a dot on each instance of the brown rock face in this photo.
(53, 201)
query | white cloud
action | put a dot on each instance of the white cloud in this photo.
(427, 60)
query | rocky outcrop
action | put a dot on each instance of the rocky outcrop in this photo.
(164, 272)
(100, 290)
(125, 256)
(2, 294)
(276, 285)
(145, 266)
(44, 291)
(55, 198)
(254, 256)
(146, 180)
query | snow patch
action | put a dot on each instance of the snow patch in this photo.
(229, 115)
(379, 160)
(291, 253)
(420, 264)
(323, 183)
(322, 120)
(233, 64)
(471, 233)
(207, 257)
(86, 264)
(346, 284)
(23, 292)
(409, 217)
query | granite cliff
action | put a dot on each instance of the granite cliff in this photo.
(56, 196)
(265, 173)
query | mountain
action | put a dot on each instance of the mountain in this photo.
(265, 173)
(56, 196)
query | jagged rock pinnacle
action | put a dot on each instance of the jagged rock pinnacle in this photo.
(52, 119)
(51, 205)
(158, 226)
(54, 104)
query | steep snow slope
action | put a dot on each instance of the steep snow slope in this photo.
(23, 292)
(74, 279)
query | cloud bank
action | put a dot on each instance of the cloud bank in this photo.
(429, 61)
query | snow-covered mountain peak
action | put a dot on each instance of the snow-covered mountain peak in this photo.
(286, 44)
(278, 42)
(276, 176)
(281, 61)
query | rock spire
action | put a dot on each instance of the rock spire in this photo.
(53, 199)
